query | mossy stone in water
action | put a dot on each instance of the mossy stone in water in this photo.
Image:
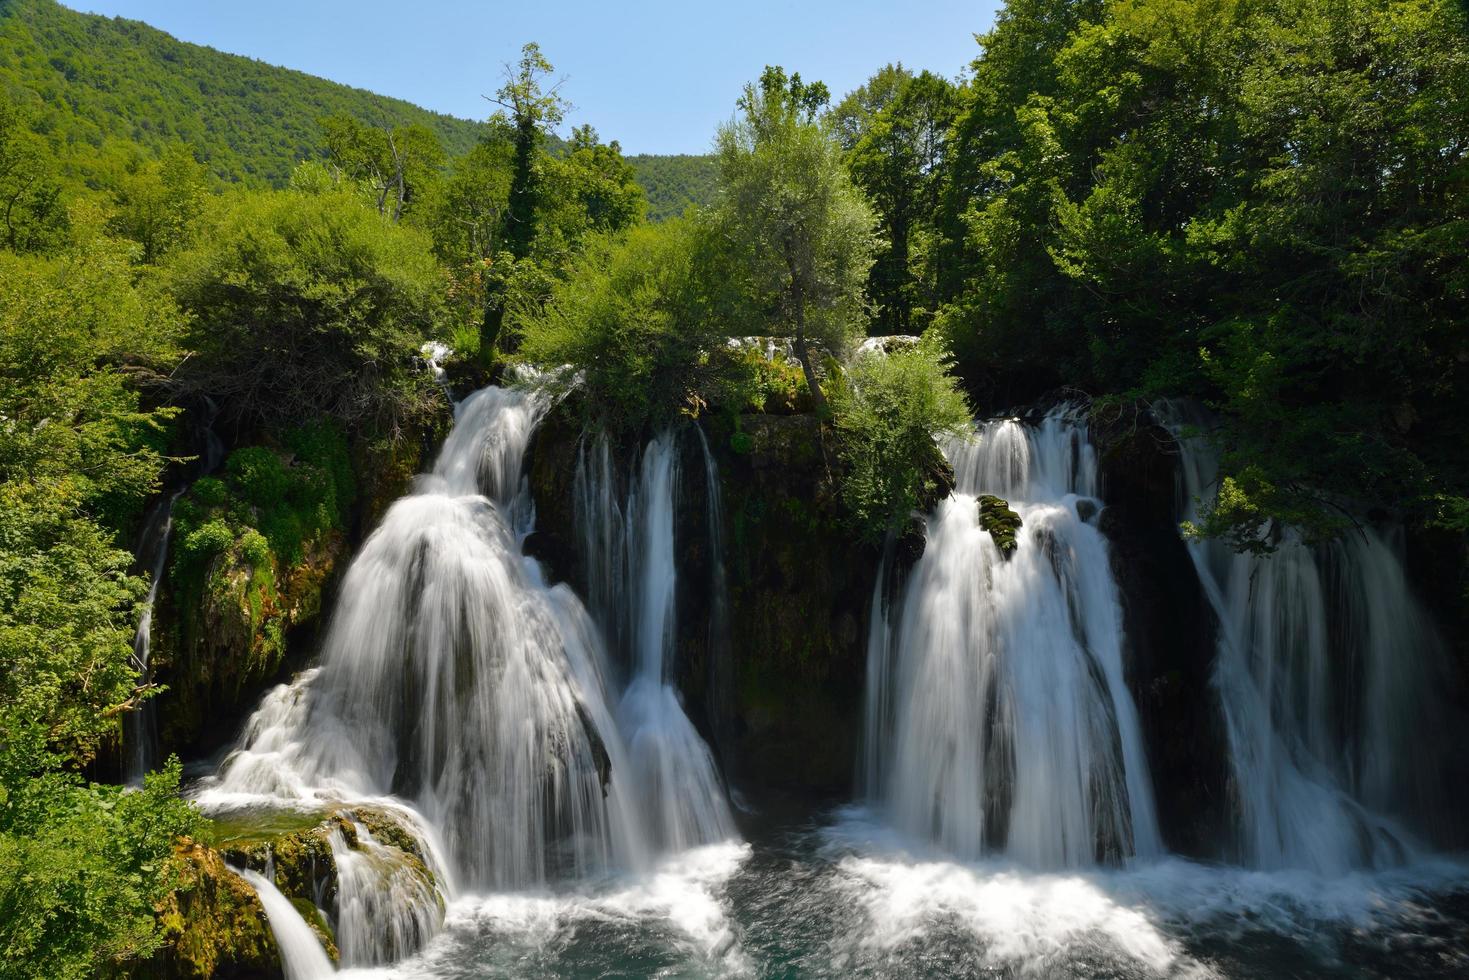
(1002, 523)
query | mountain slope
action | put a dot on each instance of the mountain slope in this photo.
(95, 77)
(674, 182)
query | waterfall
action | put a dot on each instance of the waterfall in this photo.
(632, 573)
(386, 907)
(302, 957)
(453, 677)
(999, 717)
(140, 728)
(1327, 671)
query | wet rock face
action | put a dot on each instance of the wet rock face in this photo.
(800, 586)
(777, 691)
(1169, 630)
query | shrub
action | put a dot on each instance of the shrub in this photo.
(889, 412)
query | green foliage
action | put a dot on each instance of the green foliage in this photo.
(1260, 204)
(396, 167)
(889, 413)
(643, 319)
(803, 231)
(82, 867)
(78, 457)
(91, 79)
(895, 131)
(308, 305)
(269, 506)
(674, 183)
(30, 195)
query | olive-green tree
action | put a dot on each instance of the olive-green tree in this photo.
(805, 233)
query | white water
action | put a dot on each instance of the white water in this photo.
(999, 720)
(454, 677)
(469, 698)
(302, 957)
(673, 769)
(385, 907)
(1328, 677)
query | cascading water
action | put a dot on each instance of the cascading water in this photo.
(140, 727)
(455, 678)
(633, 575)
(1327, 673)
(999, 717)
(302, 957)
(140, 735)
(386, 906)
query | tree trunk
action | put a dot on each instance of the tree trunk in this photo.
(803, 354)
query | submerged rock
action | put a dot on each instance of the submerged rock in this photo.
(1002, 523)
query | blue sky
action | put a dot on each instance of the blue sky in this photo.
(656, 75)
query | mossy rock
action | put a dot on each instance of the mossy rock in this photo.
(1002, 523)
(213, 926)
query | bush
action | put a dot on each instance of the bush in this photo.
(257, 475)
(641, 320)
(308, 306)
(889, 412)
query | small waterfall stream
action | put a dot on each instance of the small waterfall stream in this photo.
(140, 734)
(673, 768)
(1329, 676)
(140, 727)
(302, 957)
(999, 718)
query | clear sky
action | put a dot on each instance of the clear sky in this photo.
(657, 75)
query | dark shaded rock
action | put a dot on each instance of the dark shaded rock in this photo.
(777, 689)
(910, 543)
(800, 585)
(1169, 628)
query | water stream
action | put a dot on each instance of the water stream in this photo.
(578, 825)
(1000, 720)
(1331, 680)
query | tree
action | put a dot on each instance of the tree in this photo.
(305, 305)
(396, 165)
(891, 410)
(804, 231)
(895, 130)
(156, 202)
(643, 317)
(32, 216)
(534, 112)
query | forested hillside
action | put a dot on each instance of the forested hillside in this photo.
(675, 181)
(93, 78)
(86, 79)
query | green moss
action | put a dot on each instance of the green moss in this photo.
(213, 925)
(1002, 523)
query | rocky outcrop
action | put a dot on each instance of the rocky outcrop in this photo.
(1169, 629)
(786, 712)
(214, 926)
(1000, 520)
(226, 632)
(774, 679)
